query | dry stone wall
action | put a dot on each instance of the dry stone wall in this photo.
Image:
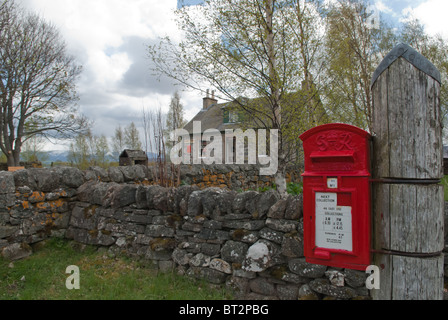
(249, 241)
(235, 177)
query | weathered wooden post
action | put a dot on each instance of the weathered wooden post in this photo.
(407, 168)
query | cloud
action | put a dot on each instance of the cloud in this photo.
(382, 7)
(109, 38)
(139, 80)
(432, 13)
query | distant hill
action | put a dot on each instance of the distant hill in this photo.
(55, 156)
(62, 156)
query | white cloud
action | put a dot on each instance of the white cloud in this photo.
(432, 13)
(102, 35)
(108, 69)
(382, 7)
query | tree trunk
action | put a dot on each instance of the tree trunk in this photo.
(12, 159)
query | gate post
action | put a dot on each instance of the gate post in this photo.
(407, 167)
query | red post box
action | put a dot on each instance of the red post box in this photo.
(336, 196)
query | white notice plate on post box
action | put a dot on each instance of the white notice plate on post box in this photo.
(333, 223)
(332, 183)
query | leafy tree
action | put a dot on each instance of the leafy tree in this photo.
(175, 118)
(253, 53)
(118, 143)
(288, 64)
(354, 49)
(132, 137)
(435, 48)
(79, 152)
(89, 150)
(101, 151)
(37, 82)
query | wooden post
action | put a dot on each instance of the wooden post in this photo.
(407, 167)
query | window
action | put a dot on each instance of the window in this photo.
(231, 116)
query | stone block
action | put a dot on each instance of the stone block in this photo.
(7, 200)
(244, 236)
(234, 251)
(16, 251)
(159, 231)
(302, 268)
(260, 256)
(94, 192)
(4, 218)
(84, 218)
(93, 237)
(324, 287)
(355, 278)
(7, 231)
(200, 260)
(259, 205)
(210, 249)
(181, 257)
(166, 266)
(47, 180)
(70, 177)
(119, 196)
(292, 247)
(262, 286)
(209, 275)
(247, 225)
(156, 197)
(294, 207)
(277, 211)
(221, 265)
(115, 174)
(282, 225)
(239, 285)
(272, 235)
(7, 184)
(305, 293)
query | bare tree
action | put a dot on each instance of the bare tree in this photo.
(146, 123)
(155, 126)
(118, 141)
(132, 137)
(158, 146)
(37, 82)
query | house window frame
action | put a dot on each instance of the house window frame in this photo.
(233, 116)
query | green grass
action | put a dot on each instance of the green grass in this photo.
(42, 277)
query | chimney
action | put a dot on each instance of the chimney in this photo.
(208, 101)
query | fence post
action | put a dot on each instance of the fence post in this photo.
(407, 167)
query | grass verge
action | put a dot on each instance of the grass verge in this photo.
(42, 277)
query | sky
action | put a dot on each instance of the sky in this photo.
(109, 39)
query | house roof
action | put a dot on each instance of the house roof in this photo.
(211, 118)
(135, 154)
